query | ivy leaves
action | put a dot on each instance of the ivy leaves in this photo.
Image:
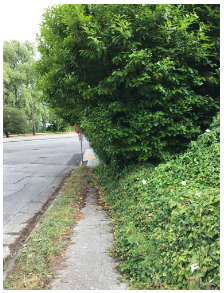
(169, 218)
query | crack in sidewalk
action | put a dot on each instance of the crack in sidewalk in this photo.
(19, 212)
(27, 176)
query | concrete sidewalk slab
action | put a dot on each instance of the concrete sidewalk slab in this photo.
(90, 158)
(87, 264)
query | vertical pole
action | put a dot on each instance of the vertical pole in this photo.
(81, 152)
(33, 119)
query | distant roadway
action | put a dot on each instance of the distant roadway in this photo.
(32, 171)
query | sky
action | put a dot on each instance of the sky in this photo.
(21, 19)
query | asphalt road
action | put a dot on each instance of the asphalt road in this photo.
(32, 170)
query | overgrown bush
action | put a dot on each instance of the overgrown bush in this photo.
(142, 79)
(167, 218)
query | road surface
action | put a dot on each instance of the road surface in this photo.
(32, 171)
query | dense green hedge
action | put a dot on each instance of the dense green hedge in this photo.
(143, 80)
(167, 218)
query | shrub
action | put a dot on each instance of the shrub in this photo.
(142, 79)
(14, 121)
(167, 218)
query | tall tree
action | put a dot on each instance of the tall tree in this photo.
(138, 77)
(18, 81)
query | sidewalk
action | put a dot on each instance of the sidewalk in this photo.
(87, 264)
(89, 158)
(39, 136)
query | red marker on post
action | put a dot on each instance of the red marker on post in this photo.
(80, 135)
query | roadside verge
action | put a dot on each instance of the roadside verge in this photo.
(48, 241)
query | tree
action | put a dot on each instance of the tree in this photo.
(138, 77)
(57, 123)
(18, 81)
(14, 121)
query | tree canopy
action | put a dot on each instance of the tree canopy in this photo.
(143, 80)
(18, 81)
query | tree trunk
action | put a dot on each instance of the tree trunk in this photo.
(6, 133)
(33, 120)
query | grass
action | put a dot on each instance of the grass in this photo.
(47, 243)
(89, 180)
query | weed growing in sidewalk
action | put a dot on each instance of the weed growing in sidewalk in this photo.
(47, 242)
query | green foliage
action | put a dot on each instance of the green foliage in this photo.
(162, 226)
(18, 82)
(57, 123)
(14, 121)
(143, 80)
(215, 126)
